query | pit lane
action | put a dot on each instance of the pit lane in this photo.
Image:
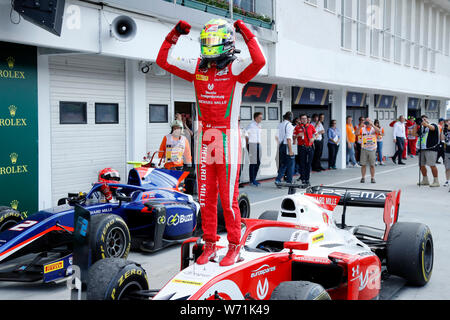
(426, 205)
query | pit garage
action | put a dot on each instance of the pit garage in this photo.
(88, 120)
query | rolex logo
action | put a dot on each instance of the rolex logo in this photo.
(10, 61)
(14, 204)
(12, 110)
(13, 156)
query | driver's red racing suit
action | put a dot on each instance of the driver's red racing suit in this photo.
(218, 95)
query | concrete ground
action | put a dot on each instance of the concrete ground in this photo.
(427, 205)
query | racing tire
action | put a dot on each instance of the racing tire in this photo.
(410, 252)
(9, 218)
(269, 215)
(115, 279)
(244, 207)
(299, 290)
(109, 237)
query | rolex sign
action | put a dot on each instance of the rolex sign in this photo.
(18, 128)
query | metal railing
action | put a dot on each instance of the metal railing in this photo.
(255, 12)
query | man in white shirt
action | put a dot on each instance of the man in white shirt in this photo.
(399, 139)
(286, 153)
(253, 140)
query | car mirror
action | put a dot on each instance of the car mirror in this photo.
(292, 245)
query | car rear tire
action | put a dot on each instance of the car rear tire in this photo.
(269, 215)
(410, 252)
(109, 237)
(244, 207)
(115, 279)
(9, 218)
(299, 290)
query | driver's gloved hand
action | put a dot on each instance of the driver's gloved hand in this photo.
(240, 27)
(181, 28)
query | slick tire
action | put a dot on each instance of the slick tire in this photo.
(299, 290)
(269, 215)
(115, 279)
(9, 218)
(109, 237)
(244, 207)
(410, 252)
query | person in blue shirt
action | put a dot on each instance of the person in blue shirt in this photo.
(334, 139)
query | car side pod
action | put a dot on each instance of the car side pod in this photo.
(293, 245)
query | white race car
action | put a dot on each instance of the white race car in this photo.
(296, 253)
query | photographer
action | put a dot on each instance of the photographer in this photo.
(445, 136)
(427, 145)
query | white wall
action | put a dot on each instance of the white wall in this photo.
(309, 39)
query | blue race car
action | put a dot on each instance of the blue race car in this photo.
(148, 213)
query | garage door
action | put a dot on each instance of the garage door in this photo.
(88, 120)
(158, 100)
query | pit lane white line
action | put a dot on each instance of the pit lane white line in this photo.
(336, 183)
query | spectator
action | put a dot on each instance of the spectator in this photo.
(174, 147)
(445, 135)
(380, 137)
(351, 138)
(358, 139)
(286, 152)
(308, 119)
(186, 131)
(334, 139)
(427, 144)
(253, 140)
(441, 152)
(399, 140)
(318, 143)
(411, 127)
(368, 135)
(305, 134)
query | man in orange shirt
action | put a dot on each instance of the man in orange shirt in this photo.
(351, 139)
(174, 147)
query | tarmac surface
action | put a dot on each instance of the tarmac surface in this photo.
(418, 204)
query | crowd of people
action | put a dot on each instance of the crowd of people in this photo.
(301, 143)
(301, 146)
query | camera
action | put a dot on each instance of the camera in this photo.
(419, 121)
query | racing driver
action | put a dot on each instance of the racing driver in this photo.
(218, 77)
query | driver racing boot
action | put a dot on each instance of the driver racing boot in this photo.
(209, 252)
(232, 254)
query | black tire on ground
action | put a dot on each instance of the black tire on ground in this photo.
(410, 252)
(4, 208)
(9, 218)
(269, 215)
(115, 279)
(299, 290)
(244, 206)
(109, 237)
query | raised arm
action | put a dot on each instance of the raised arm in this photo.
(183, 68)
(247, 69)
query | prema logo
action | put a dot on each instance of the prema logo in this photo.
(262, 289)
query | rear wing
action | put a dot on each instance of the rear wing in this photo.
(389, 200)
(354, 197)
